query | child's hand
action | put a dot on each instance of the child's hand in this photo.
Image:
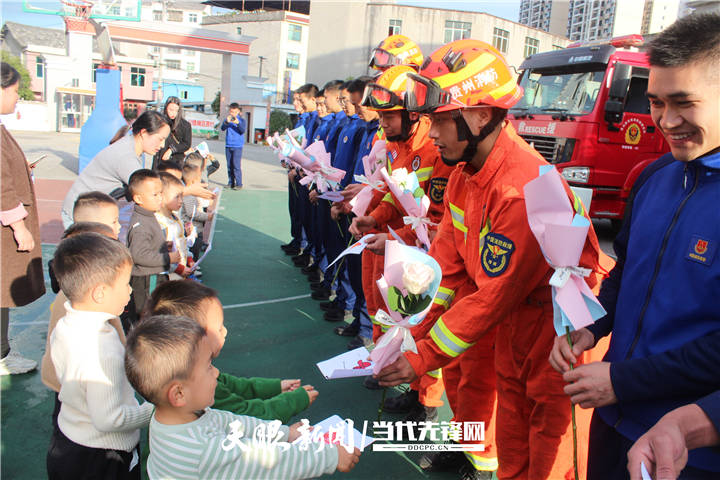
(293, 434)
(346, 461)
(174, 256)
(312, 393)
(289, 385)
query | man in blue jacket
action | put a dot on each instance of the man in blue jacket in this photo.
(661, 297)
(234, 124)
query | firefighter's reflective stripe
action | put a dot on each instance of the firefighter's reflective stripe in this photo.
(423, 174)
(389, 198)
(482, 463)
(434, 373)
(444, 297)
(458, 218)
(485, 230)
(446, 340)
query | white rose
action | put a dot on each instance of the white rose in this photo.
(417, 277)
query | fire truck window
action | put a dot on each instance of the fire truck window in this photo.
(637, 101)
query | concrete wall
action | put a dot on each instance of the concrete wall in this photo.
(342, 34)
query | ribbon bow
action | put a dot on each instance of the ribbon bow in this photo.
(374, 184)
(562, 274)
(415, 222)
(408, 342)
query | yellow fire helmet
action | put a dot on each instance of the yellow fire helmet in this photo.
(396, 50)
(388, 90)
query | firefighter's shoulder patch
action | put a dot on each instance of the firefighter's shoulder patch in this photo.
(437, 189)
(496, 253)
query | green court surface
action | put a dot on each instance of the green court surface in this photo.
(281, 339)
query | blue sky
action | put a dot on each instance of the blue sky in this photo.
(11, 10)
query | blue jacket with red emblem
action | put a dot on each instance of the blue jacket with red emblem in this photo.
(661, 298)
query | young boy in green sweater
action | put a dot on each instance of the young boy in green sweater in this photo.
(264, 398)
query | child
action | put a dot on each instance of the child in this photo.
(97, 207)
(169, 361)
(99, 421)
(265, 398)
(146, 241)
(192, 211)
(234, 123)
(170, 167)
(172, 227)
(57, 311)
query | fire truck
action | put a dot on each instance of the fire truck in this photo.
(585, 110)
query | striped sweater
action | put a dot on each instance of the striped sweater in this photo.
(202, 449)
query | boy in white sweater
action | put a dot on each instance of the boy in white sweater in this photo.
(100, 418)
(169, 362)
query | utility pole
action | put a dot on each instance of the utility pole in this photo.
(262, 59)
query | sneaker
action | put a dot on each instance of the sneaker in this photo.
(371, 383)
(14, 364)
(443, 461)
(327, 306)
(468, 472)
(237, 187)
(346, 331)
(320, 295)
(230, 186)
(403, 403)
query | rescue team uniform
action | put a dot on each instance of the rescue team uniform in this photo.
(666, 251)
(305, 212)
(293, 198)
(484, 237)
(354, 262)
(344, 158)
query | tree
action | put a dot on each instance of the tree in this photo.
(215, 105)
(279, 121)
(24, 91)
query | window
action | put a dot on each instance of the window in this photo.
(193, 17)
(531, 46)
(189, 53)
(94, 72)
(501, 39)
(174, 50)
(155, 50)
(395, 27)
(175, 15)
(130, 12)
(190, 66)
(293, 61)
(39, 70)
(238, 30)
(173, 64)
(114, 10)
(157, 16)
(184, 94)
(294, 33)
(456, 30)
(137, 77)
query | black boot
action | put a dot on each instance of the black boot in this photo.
(403, 403)
(443, 461)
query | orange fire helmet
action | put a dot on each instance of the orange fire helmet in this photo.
(462, 74)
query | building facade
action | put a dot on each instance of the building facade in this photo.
(280, 52)
(548, 15)
(343, 33)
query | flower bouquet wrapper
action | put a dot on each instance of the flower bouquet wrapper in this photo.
(561, 234)
(372, 163)
(406, 189)
(410, 280)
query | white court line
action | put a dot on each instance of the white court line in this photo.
(265, 302)
(236, 305)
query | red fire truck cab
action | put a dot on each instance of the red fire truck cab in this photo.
(585, 110)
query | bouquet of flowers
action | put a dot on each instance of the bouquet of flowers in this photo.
(410, 281)
(406, 189)
(319, 171)
(373, 162)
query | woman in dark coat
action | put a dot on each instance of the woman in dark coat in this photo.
(180, 138)
(21, 273)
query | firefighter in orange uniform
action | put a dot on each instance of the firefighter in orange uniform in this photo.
(409, 147)
(484, 239)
